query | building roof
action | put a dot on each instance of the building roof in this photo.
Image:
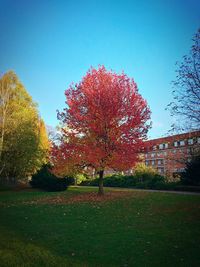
(176, 137)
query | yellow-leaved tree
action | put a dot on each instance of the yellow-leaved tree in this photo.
(24, 143)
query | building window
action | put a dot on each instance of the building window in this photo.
(146, 163)
(198, 140)
(166, 145)
(152, 155)
(182, 143)
(161, 170)
(160, 162)
(161, 146)
(190, 141)
(180, 170)
(165, 153)
(153, 162)
(154, 147)
(174, 151)
(175, 143)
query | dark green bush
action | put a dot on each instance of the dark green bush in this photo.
(191, 176)
(70, 180)
(115, 181)
(145, 181)
(155, 181)
(46, 180)
(144, 177)
(151, 181)
(90, 182)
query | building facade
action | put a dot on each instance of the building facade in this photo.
(169, 154)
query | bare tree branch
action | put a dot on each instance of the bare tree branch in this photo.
(186, 93)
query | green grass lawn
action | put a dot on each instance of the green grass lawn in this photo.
(143, 229)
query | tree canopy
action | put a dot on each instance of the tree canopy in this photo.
(104, 123)
(23, 139)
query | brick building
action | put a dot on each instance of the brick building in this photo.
(169, 154)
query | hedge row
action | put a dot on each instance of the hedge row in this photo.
(155, 181)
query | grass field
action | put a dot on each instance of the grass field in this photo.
(140, 229)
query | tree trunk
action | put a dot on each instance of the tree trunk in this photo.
(101, 191)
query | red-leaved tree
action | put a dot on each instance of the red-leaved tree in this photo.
(104, 124)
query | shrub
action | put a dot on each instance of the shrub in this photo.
(141, 170)
(76, 179)
(90, 182)
(191, 176)
(46, 180)
(144, 177)
(147, 177)
(70, 180)
(80, 177)
(147, 181)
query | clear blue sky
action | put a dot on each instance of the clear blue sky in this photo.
(50, 44)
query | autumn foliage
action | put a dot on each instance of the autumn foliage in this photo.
(104, 123)
(24, 143)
